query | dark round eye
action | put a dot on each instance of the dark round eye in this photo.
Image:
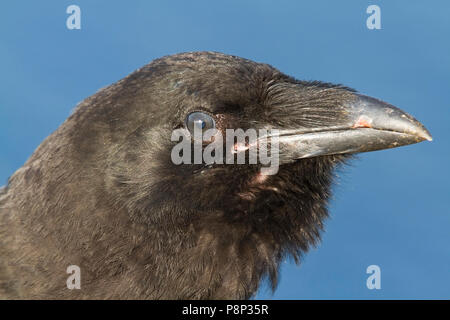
(200, 120)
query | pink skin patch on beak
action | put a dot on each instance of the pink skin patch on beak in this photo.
(363, 122)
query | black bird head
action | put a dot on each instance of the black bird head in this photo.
(215, 230)
(243, 218)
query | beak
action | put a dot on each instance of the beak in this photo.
(370, 124)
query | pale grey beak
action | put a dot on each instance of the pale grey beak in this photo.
(372, 125)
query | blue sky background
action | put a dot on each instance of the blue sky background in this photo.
(391, 208)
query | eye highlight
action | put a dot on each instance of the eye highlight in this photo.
(200, 120)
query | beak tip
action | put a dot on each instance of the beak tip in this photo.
(428, 137)
(422, 133)
(388, 117)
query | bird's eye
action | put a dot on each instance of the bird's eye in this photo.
(200, 120)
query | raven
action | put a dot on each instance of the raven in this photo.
(103, 193)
